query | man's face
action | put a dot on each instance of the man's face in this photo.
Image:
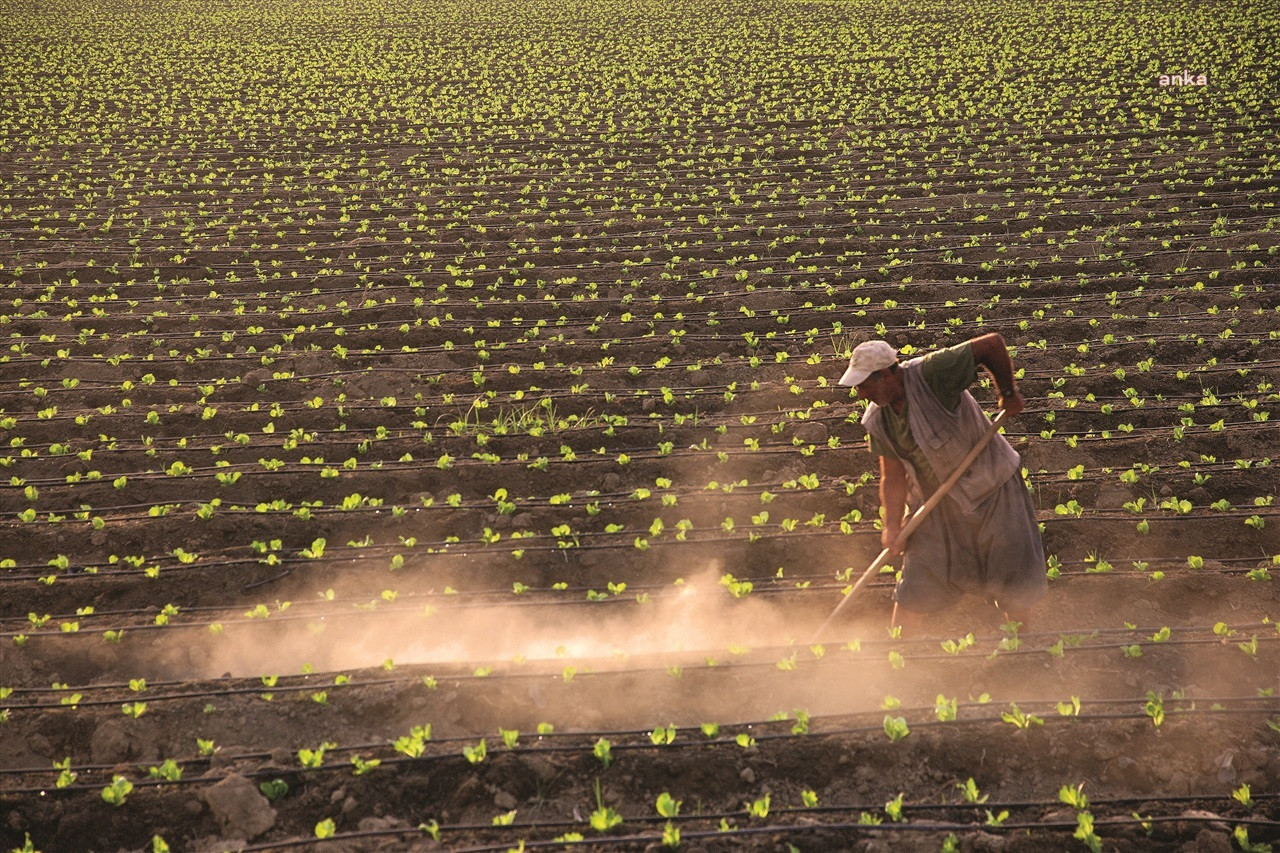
(876, 388)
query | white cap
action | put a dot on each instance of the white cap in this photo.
(867, 358)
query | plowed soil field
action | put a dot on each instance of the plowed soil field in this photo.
(420, 426)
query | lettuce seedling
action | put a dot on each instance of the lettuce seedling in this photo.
(759, 808)
(476, 754)
(969, 790)
(414, 743)
(603, 750)
(314, 758)
(117, 791)
(893, 808)
(1154, 708)
(603, 818)
(168, 770)
(663, 736)
(67, 776)
(896, 728)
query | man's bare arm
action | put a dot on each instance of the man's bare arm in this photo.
(893, 498)
(990, 352)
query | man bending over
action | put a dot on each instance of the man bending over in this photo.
(982, 538)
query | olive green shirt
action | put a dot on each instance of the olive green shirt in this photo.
(948, 373)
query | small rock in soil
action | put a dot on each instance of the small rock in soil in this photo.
(240, 808)
(110, 743)
(748, 775)
(985, 842)
(380, 824)
(1180, 784)
(1126, 771)
(469, 790)
(1202, 815)
(39, 744)
(254, 378)
(1209, 841)
(539, 767)
(211, 844)
(504, 801)
(812, 433)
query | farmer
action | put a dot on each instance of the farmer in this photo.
(921, 421)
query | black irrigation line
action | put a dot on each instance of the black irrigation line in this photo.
(499, 372)
(763, 350)
(1140, 636)
(589, 427)
(459, 133)
(587, 318)
(476, 549)
(558, 328)
(446, 415)
(585, 427)
(752, 232)
(316, 294)
(627, 219)
(457, 137)
(178, 323)
(592, 246)
(856, 830)
(774, 177)
(765, 658)
(848, 731)
(555, 426)
(625, 393)
(922, 715)
(720, 668)
(534, 399)
(496, 371)
(115, 514)
(621, 500)
(778, 170)
(644, 166)
(597, 269)
(618, 303)
(630, 219)
(537, 597)
(534, 544)
(533, 598)
(761, 656)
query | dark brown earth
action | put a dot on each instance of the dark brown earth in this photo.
(470, 370)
